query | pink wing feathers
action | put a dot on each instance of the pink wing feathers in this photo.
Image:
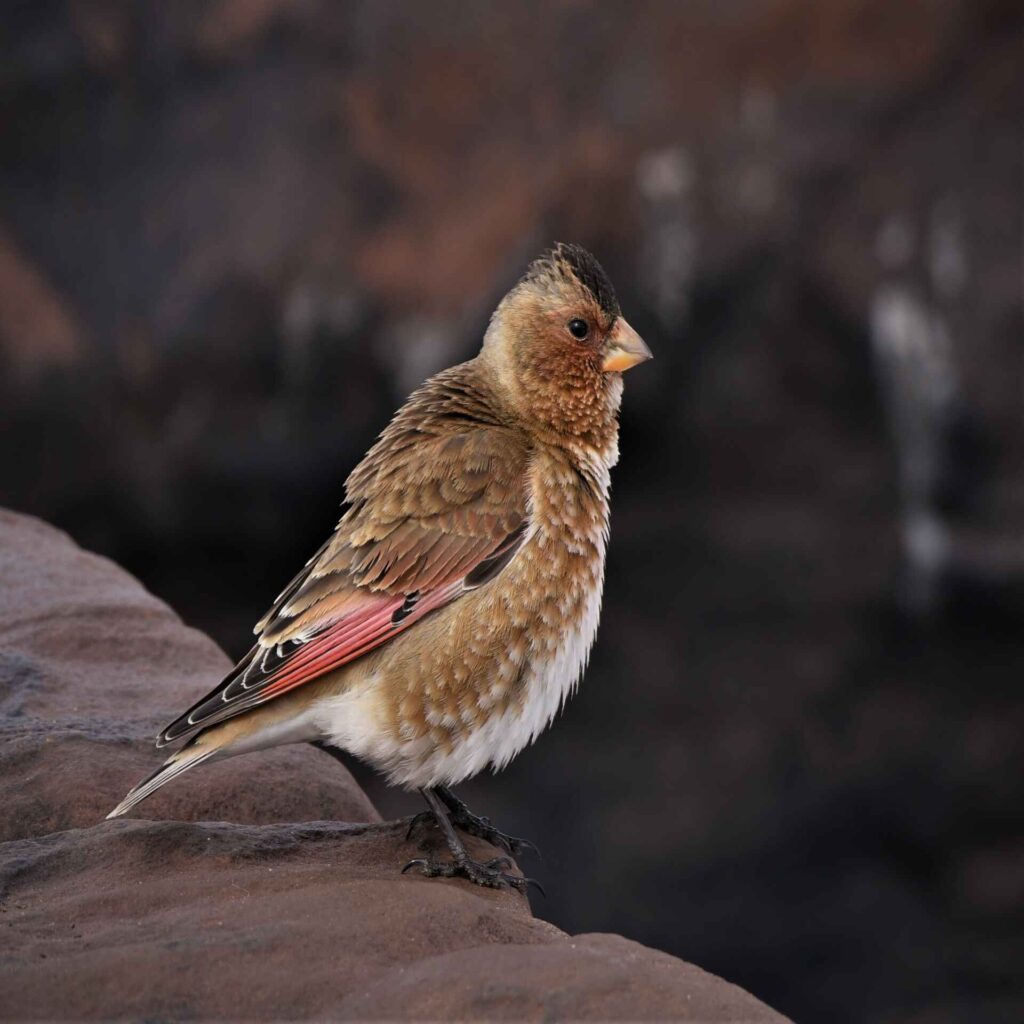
(437, 507)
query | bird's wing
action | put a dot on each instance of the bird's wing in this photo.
(438, 507)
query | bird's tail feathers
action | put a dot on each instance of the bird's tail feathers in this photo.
(188, 757)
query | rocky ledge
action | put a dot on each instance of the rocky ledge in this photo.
(285, 900)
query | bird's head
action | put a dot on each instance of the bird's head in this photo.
(558, 343)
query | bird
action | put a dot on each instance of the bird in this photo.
(449, 616)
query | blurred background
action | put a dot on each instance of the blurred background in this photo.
(235, 234)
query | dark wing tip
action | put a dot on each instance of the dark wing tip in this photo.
(177, 730)
(202, 713)
(170, 734)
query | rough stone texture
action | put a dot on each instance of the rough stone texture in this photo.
(186, 919)
(92, 666)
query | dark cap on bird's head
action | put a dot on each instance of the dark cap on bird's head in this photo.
(570, 261)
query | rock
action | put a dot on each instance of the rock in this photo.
(92, 667)
(248, 917)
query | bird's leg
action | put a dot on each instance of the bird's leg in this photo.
(472, 824)
(492, 873)
(458, 814)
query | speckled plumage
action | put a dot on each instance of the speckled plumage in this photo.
(446, 620)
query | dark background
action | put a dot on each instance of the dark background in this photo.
(235, 234)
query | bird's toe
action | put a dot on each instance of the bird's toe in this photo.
(417, 820)
(492, 874)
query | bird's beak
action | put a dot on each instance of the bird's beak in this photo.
(625, 348)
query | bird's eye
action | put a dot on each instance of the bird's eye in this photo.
(578, 329)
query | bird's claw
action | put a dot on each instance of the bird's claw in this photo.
(523, 846)
(482, 828)
(492, 874)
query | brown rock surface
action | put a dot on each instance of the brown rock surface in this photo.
(185, 919)
(91, 666)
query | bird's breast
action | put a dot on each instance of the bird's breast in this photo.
(479, 680)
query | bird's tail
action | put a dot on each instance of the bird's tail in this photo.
(188, 757)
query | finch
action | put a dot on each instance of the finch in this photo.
(451, 613)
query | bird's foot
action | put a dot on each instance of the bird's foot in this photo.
(475, 825)
(493, 874)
